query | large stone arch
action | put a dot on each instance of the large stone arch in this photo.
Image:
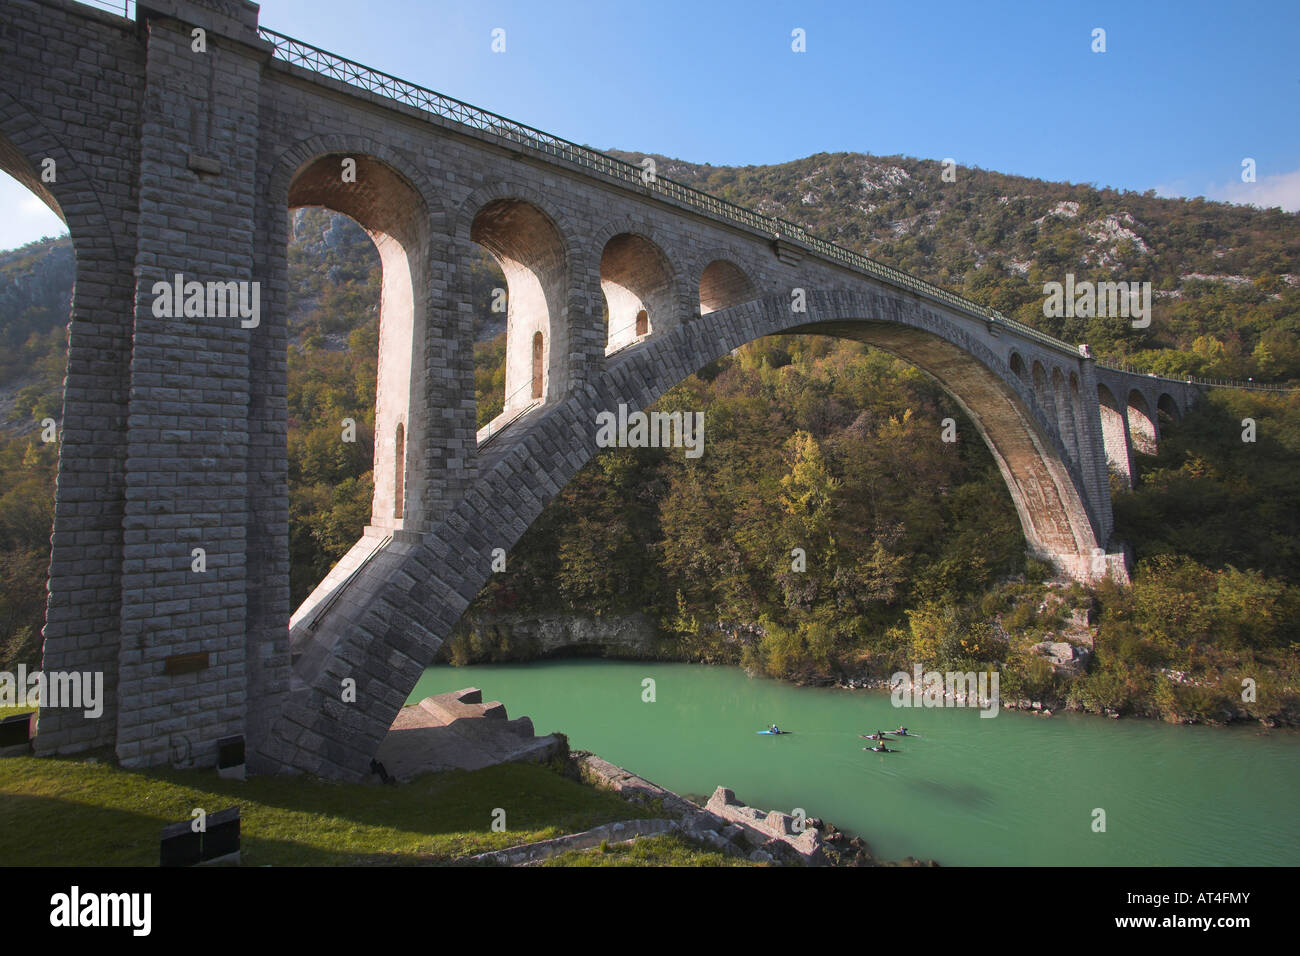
(385, 647)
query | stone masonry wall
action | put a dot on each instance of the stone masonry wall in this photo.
(189, 439)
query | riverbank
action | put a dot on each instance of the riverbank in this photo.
(725, 824)
(1053, 670)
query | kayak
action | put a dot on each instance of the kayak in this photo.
(780, 733)
(882, 750)
(909, 734)
(875, 737)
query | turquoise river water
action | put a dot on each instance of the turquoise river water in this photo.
(1015, 789)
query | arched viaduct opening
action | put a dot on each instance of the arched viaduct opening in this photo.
(637, 283)
(65, 353)
(1167, 411)
(1142, 427)
(336, 428)
(1114, 435)
(38, 277)
(528, 247)
(1064, 405)
(722, 285)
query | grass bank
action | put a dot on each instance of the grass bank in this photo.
(63, 811)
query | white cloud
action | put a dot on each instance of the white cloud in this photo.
(33, 207)
(1280, 189)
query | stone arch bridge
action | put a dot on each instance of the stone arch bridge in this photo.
(168, 159)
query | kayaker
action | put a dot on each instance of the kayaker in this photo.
(775, 729)
(901, 731)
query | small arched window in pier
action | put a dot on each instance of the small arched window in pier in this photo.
(537, 365)
(642, 322)
(399, 470)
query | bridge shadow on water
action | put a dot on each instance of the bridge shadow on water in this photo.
(967, 795)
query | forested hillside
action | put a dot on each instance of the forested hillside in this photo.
(912, 545)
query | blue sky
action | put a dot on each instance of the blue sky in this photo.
(1183, 93)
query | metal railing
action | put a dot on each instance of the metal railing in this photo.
(316, 60)
(347, 583)
(1197, 380)
(617, 333)
(500, 423)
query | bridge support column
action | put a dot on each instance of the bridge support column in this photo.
(1092, 455)
(187, 648)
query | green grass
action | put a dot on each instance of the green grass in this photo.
(666, 850)
(57, 811)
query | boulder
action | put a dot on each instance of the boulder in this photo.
(1064, 656)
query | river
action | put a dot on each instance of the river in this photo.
(1016, 789)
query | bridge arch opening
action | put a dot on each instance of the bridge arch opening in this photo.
(528, 247)
(395, 216)
(637, 282)
(1041, 393)
(1017, 366)
(1167, 410)
(1142, 425)
(399, 468)
(1080, 419)
(1064, 403)
(539, 350)
(1115, 438)
(722, 285)
(37, 339)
